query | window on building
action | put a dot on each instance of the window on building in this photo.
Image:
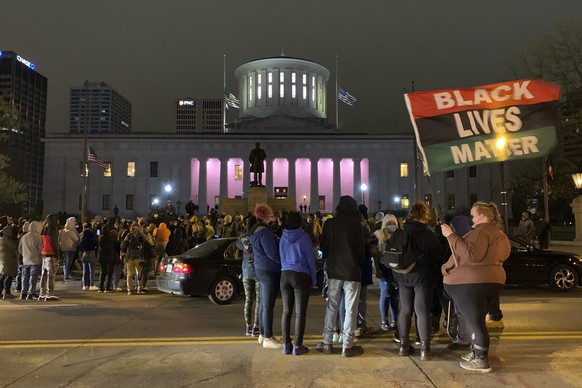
(313, 88)
(106, 202)
(428, 200)
(403, 170)
(130, 169)
(129, 202)
(305, 92)
(238, 172)
(250, 87)
(304, 79)
(472, 199)
(450, 174)
(293, 77)
(270, 77)
(270, 91)
(322, 201)
(473, 171)
(153, 169)
(293, 91)
(107, 171)
(405, 201)
(259, 86)
(451, 201)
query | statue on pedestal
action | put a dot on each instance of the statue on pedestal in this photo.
(256, 159)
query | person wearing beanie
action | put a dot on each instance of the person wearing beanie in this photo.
(343, 247)
(268, 270)
(297, 276)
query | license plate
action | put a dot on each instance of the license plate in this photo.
(169, 268)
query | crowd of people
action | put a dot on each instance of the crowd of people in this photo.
(458, 264)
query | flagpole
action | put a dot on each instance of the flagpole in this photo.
(223, 99)
(336, 96)
(85, 169)
(545, 184)
(416, 183)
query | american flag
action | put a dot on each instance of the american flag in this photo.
(93, 158)
(231, 100)
(345, 97)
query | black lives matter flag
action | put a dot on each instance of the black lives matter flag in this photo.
(464, 127)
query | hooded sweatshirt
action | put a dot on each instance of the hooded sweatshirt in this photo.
(69, 236)
(162, 234)
(265, 248)
(296, 253)
(30, 245)
(342, 242)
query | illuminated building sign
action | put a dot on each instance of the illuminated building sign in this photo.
(25, 62)
(186, 102)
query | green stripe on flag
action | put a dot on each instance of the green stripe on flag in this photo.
(486, 149)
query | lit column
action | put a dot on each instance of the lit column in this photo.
(314, 189)
(202, 187)
(337, 187)
(268, 176)
(357, 178)
(223, 177)
(246, 177)
(291, 179)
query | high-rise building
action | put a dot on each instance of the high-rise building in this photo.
(104, 108)
(24, 91)
(199, 115)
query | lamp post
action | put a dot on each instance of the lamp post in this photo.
(576, 206)
(363, 187)
(379, 205)
(178, 204)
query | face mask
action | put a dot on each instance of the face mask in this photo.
(391, 228)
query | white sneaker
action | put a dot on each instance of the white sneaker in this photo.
(119, 289)
(261, 339)
(271, 343)
(85, 288)
(337, 338)
(93, 288)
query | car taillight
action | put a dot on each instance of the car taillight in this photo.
(181, 268)
(162, 267)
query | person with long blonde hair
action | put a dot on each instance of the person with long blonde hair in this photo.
(474, 276)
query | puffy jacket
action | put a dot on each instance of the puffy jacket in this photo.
(8, 251)
(162, 234)
(69, 237)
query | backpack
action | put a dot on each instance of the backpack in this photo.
(399, 255)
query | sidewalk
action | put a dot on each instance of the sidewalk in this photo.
(566, 246)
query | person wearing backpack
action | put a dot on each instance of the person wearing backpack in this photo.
(133, 245)
(88, 248)
(415, 288)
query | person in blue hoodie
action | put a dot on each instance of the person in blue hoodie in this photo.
(268, 270)
(297, 276)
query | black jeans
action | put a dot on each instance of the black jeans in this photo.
(106, 274)
(5, 283)
(269, 285)
(473, 301)
(418, 299)
(295, 290)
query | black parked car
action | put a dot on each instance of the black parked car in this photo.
(526, 265)
(212, 268)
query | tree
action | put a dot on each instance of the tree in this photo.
(13, 192)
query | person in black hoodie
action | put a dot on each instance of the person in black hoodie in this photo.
(343, 247)
(415, 288)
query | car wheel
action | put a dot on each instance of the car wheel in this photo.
(563, 278)
(222, 291)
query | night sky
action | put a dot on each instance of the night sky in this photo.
(153, 52)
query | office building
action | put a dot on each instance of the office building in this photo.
(199, 115)
(24, 91)
(103, 108)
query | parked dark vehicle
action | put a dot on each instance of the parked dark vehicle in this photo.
(212, 268)
(527, 265)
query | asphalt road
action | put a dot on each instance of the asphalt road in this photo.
(88, 339)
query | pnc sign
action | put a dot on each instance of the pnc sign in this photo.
(186, 102)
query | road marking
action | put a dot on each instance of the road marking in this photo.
(42, 305)
(233, 340)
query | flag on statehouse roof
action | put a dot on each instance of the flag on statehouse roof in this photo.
(231, 100)
(345, 97)
(92, 157)
(511, 120)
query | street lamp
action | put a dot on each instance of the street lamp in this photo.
(178, 204)
(379, 205)
(577, 206)
(363, 187)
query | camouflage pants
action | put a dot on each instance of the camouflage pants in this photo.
(252, 296)
(50, 265)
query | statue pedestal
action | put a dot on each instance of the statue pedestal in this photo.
(256, 195)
